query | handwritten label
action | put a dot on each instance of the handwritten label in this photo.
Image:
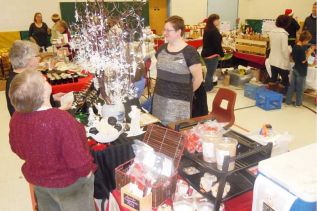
(131, 202)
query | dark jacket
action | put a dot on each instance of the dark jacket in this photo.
(310, 25)
(212, 43)
(292, 29)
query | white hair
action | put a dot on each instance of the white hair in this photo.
(21, 52)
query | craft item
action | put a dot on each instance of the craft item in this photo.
(191, 170)
(207, 181)
(135, 116)
(215, 188)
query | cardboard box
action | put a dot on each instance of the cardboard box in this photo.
(135, 203)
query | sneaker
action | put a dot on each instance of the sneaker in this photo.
(297, 106)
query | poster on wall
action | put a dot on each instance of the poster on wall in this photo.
(268, 25)
(225, 26)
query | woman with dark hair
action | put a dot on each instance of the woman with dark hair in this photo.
(280, 55)
(39, 31)
(212, 48)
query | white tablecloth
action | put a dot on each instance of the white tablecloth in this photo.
(311, 78)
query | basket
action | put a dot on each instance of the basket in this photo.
(168, 142)
(268, 100)
(250, 90)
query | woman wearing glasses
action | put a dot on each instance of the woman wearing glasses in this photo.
(179, 74)
(25, 55)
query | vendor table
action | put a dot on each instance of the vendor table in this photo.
(241, 203)
(258, 60)
(196, 43)
(311, 78)
(118, 152)
(82, 84)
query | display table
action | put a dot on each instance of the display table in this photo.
(118, 152)
(241, 203)
(288, 181)
(82, 84)
(196, 43)
(259, 60)
(311, 78)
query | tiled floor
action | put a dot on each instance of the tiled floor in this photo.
(300, 122)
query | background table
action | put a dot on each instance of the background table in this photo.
(252, 59)
(196, 43)
(82, 84)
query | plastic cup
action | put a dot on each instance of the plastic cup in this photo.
(226, 147)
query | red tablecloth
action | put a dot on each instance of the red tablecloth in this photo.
(239, 203)
(196, 43)
(82, 84)
(251, 58)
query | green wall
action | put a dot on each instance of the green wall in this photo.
(68, 10)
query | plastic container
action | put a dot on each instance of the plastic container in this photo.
(209, 143)
(268, 100)
(227, 147)
(239, 80)
(250, 90)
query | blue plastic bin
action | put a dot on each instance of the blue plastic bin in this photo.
(268, 100)
(250, 90)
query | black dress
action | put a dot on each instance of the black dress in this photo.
(39, 34)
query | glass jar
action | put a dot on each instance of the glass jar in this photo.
(226, 147)
(209, 142)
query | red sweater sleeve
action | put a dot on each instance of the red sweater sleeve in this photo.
(74, 146)
(13, 139)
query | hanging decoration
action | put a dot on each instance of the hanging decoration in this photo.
(109, 42)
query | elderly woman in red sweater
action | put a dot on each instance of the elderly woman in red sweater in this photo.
(52, 144)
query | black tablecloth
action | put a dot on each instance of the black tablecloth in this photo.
(119, 152)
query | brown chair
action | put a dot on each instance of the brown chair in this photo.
(224, 114)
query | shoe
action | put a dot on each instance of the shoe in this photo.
(297, 106)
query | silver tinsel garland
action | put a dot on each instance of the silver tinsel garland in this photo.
(108, 43)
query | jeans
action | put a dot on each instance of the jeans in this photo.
(147, 105)
(211, 65)
(77, 196)
(283, 73)
(298, 85)
(139, 86)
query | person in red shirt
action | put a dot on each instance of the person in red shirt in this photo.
(52, 144)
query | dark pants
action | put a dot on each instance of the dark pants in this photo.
(77, 196)
(211, 65)
(283, 73)
(297, 85)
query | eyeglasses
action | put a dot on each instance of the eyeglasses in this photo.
(168, 30)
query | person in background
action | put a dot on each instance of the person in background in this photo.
(179, 74)
(63, 29)
(212, 48)
(292, 28)
(39, 31)
(53, 145)
(300, 56)
(54, 32)
(25, 55)
(310, 24)
(279, 57)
